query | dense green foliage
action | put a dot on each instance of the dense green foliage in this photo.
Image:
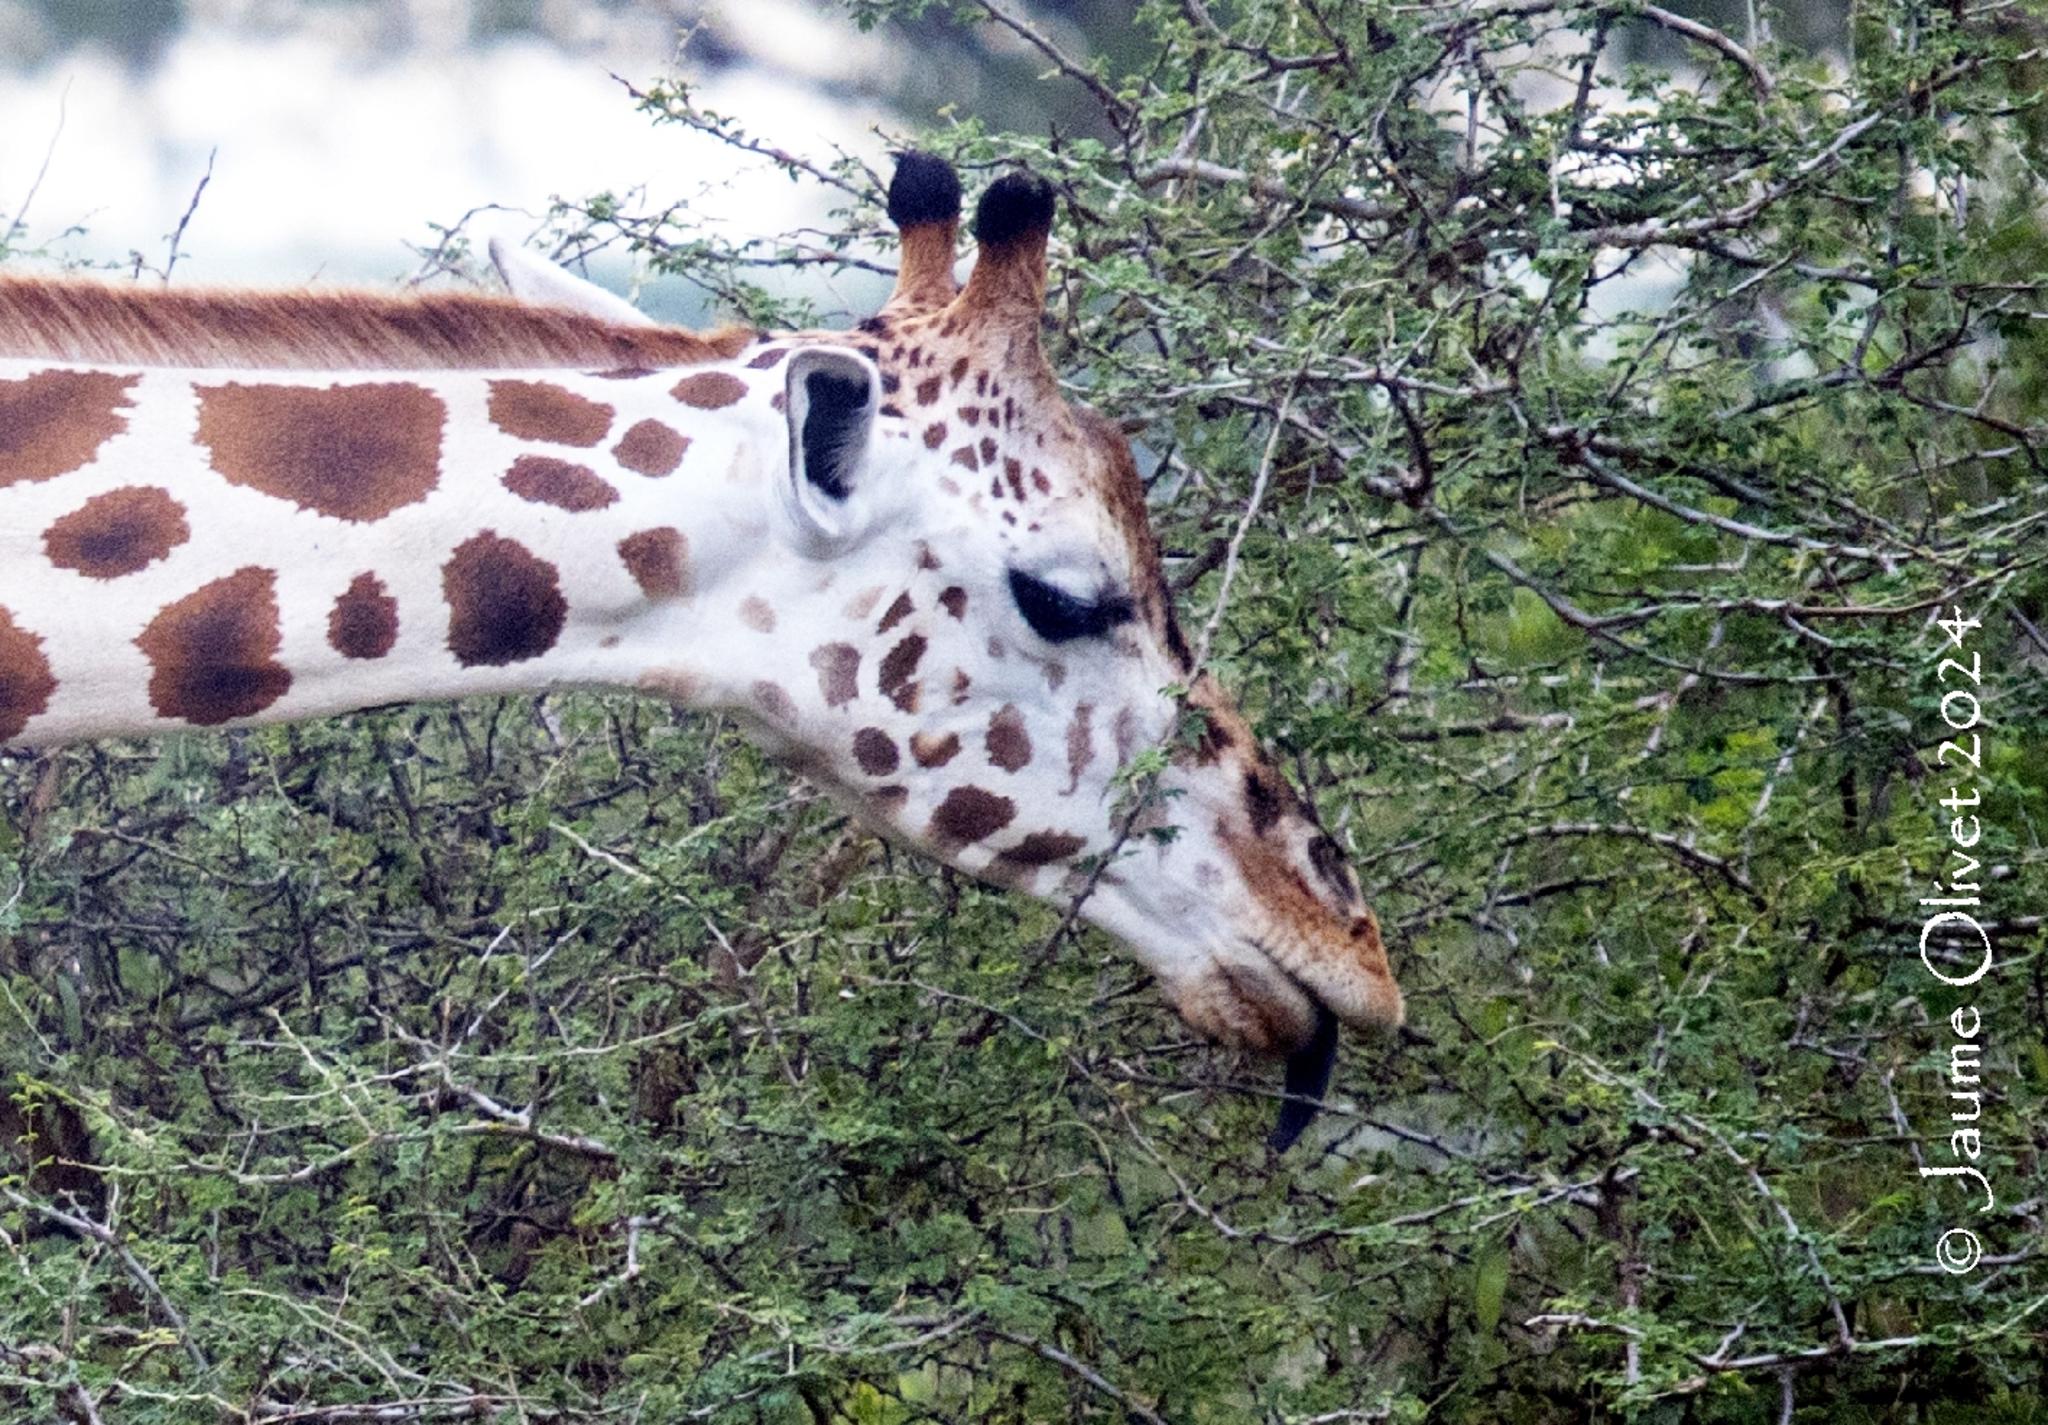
(1604, 444)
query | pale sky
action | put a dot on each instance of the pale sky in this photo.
(332, 154)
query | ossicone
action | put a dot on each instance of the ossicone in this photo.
(1018, 207)
(924, 190)
(1006, 291)
(924, 204)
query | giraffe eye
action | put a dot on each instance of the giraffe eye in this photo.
(1058, 616)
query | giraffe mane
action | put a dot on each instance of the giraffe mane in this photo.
(79, 320)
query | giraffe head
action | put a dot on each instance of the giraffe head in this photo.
(975, 635)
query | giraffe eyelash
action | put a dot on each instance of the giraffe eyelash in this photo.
(1060, 617)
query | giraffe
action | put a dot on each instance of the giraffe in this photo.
(899, 555)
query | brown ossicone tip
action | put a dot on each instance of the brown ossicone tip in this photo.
(924, 204)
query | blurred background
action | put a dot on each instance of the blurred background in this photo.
(337, 132)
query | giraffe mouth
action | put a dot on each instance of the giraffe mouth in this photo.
(1278, 992)
(1313, 1056)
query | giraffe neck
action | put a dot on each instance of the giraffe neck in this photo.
(185, 548)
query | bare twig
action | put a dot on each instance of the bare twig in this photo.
(1081, 1371)
(138, 1273)
(17, 223)
(178, 234)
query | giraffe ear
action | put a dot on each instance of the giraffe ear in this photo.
(534, 279)
(832, 396)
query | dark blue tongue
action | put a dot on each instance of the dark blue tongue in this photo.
(1308, 1074)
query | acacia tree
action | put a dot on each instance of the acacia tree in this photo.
(1583, 470)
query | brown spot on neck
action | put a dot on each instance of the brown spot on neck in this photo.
(1123, 731)
(678, 685)
(53, 422)
(213, 653)
(120, 532)
(772, 701)
(541, 410)
(1218, 736)
(652, 449)
(354, 451)
(505, 605)
(709, 390)
(25, 681)
(544, 480)
(364, 620)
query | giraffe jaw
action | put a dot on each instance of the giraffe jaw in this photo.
(1268, 993)
(1245, 998)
